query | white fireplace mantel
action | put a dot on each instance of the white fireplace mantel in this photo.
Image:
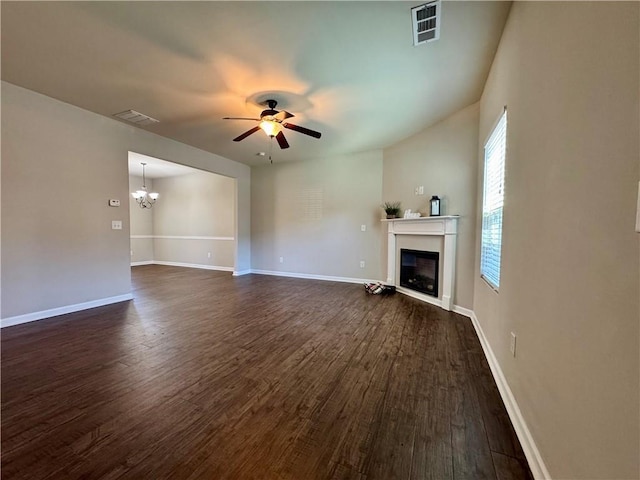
(445, 226)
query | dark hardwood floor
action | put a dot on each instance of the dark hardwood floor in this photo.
(207, 376)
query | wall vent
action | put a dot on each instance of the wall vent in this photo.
(136, 118)
(426, 22)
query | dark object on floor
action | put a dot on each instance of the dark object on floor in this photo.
(378, 288)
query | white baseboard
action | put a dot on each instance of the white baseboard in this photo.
(188, 265)
(31, 317)
(463, 311)
(239, 273)
(178, 237)
(536, 464)
(310, 276)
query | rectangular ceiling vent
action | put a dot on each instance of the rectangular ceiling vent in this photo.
(426, 22)
(136, 118)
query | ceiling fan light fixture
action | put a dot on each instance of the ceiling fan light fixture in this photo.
(270, 127)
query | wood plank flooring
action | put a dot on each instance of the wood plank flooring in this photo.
(207, 376)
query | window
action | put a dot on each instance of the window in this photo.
(492, 202)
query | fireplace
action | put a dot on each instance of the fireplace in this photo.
(419, 271)
(445, 227)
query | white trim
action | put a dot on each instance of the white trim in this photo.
(310, 276)
(53, 312)
(179, 237)
(462, 311)
(190, 265)
(146, 262)
(241, 272)
(536, 464)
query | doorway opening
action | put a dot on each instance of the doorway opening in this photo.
(191, 224)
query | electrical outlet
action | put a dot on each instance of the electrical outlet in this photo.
(363, 228)
(512, 345)
(361, 263)
(281, 259)
(116, 225)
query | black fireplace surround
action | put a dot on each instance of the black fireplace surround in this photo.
(419, 271)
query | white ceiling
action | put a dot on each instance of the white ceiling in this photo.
(155, 167)
(346, 69)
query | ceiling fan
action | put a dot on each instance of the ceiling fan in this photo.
(271, 122)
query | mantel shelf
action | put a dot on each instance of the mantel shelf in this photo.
(420, 219)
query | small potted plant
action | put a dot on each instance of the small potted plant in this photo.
(392, 209)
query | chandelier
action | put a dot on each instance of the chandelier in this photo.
(144, 199)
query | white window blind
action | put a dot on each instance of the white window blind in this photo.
(493, 202)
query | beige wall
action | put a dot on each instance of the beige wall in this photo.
(310, 214)
(568, 73)
(195, 205)
(60, 166)
(443, 159)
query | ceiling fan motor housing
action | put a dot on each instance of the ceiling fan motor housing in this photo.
(271, 111)
(268, 113)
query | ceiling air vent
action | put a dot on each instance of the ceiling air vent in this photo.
(136, 118)
(426, 22)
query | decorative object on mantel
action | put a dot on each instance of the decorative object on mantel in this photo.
(392, 209)
(434, 211)
(144, 199)
(409, 214)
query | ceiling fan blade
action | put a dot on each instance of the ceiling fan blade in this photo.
(283, 115)
(306, 131)
(247, 133)
(241, 118)
(281, 140)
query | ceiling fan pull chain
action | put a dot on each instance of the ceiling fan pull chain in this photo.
(270, 149)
